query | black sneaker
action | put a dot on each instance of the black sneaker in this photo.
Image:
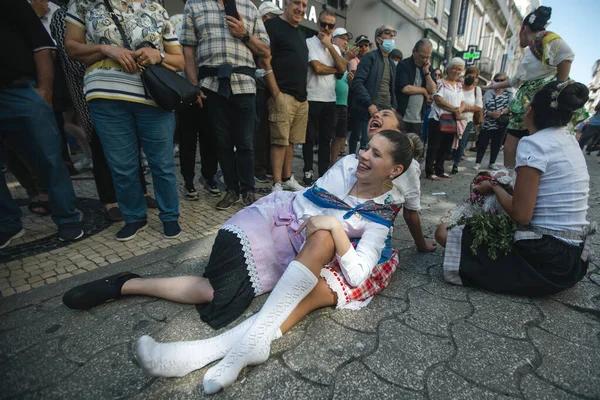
(70, 231)
(100, 291)
(113, 214)
(171, 229)
(7, 237)
(230, 198)
(151, 202)
(212, 188)
(454, 170)
(190, 193)
(248, 198)
(262, 178)
(129, 231)
(308, 178)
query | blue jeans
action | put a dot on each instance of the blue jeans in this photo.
(26, 116)
(425, 127)
(458, 153)
(120, 126)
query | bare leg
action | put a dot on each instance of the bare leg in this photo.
(287, 164)
(180, 289)
(510, 150)
(441, 234)
(278, 158)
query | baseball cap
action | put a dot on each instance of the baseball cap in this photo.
(267, 7)
(362, 38)
(342, 31)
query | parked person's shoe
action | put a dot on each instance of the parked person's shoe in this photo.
(277, 187)
(308, 178)
(84, 163)
(70, 231)
(190, 192)
(493, 167)
(113, 214)
(7, 237)
(476, 167)
(212, 188)
(248, 198)
(292, 184)
(88, 295)
(230, 198)
(171, 229)
(262, 178)
(150, 201)
(130, 230)
(454, 170)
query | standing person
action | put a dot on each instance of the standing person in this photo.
(494, 128)
(286, 80)
(219, 56)
(547, 58)
(363, 44)
(121, 112)
(448, 99)
(414, 85)
(325, 60)
(26, 83)
(373, 85)
(473, 104)
(591, 131)
(342, 86)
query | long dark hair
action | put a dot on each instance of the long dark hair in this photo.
(555, 103)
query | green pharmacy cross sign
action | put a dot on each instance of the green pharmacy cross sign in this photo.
(471, 55)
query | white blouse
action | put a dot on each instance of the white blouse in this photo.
(408, 186)
(358, 263)
(452, 95)
(472, 98)
(531, 68)
(563, 192)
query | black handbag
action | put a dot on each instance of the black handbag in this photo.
(169, 90)
(503, 119)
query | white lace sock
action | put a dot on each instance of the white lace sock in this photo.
(254, 347)
(177, 359)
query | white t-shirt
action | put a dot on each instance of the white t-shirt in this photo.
(452, 95)
(320, 87)
(562, 199)
(408, 185)
(356, 264)
(472, 98)
(531, 68)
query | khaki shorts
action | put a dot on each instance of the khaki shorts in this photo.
(287, 120)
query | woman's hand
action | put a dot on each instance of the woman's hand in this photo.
(125, 57)
(147, 56)
(484, 187)
(319, 223)
(489, 86)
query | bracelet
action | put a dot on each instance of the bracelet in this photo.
(267, 72)
(427, 74)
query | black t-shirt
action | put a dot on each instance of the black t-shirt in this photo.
(290, 57)
(23, 34)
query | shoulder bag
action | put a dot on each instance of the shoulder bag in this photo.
(448, 124)
(503, 119)
(168, 89)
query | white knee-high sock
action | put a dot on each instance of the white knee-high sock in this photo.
(177, 359)
(254, 347)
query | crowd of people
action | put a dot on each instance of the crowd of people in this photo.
(265, 89)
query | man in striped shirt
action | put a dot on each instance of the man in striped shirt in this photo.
(219, 56)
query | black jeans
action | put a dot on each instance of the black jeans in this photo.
(439, 144)
(196, 129)
(233, 126)
(590, 135)
(320, 129)
(496, 136)
(413, 127)
(262, 135)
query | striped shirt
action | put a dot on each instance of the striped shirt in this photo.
(494, 102)
(205, 28)
(147, 21)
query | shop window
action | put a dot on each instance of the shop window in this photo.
(445, 22)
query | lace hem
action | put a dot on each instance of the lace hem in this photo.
(335, 283)
(247, 249)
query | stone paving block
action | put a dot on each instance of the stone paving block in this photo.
(162, 310)
(404, 354)
(325, 347)
(489, 359)
(367, 319)
(23, 288)
(402, 281)
(443, 383)
(8, 292)
(432, 314)
(567, 365)
(440, 287)
(575, 327)
(583, 294)
(534, 388)
(355, 381)
(416, 262)
(499, 315)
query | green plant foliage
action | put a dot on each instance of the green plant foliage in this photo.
(494, 231)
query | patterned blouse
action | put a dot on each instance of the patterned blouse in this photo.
(205, 29)
(147, 21)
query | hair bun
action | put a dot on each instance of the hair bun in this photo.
(543, 12)
(573, 97)
(538, 19)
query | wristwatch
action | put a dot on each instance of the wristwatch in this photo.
(162, 57)
(246, 38)
(427, 74)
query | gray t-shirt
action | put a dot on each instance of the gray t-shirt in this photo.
(415, 104)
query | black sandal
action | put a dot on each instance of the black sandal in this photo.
(93, 293)
(40, 204)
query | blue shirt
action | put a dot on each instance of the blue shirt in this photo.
(595, 120)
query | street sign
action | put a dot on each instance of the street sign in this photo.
(471, 55)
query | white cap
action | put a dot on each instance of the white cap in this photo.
(267, 7)
(342, 31)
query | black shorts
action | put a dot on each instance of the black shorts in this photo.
(321, 121)
(341, 121)
(519, 134)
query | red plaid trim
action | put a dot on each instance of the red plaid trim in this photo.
(378, 280)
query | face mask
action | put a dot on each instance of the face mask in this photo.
(387, 45)
(469, 80)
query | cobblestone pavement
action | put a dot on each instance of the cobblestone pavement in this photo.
(421, 338)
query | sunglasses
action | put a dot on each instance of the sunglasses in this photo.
(326, 25)
(390, 32)
(499, 80)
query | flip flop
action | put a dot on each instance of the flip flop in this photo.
(433, 177)
(445, 175)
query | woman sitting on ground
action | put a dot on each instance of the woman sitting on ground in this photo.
(549, 202)
(327, 245)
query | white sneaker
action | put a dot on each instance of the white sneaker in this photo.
(493, 167)
(277, 187)
(476, 167)
(175, 151)
(291, 184)
(84, 163)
